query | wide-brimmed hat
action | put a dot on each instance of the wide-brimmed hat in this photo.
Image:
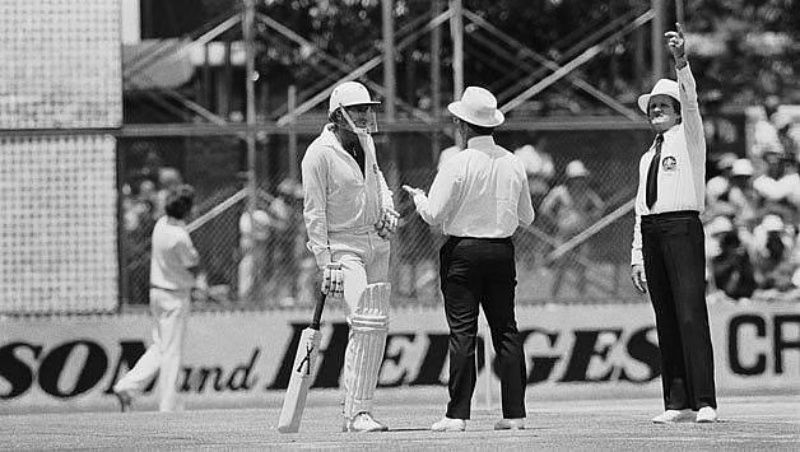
(664, 86)
(742, 167)
(576, 168)
(477, 106)
(719, 225)
(348, 94)
(772, 223)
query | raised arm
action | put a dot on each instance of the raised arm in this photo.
(690, 108)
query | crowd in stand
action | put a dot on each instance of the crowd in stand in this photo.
(752, 214)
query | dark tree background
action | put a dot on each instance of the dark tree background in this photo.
(741, 50)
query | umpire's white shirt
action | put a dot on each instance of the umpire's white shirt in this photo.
(682, 170)
(480, 192)
(172, 255)
(337, 196)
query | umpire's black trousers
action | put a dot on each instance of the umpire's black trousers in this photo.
(674, 262)
(482, 272)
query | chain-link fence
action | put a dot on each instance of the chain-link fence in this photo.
(577, 250)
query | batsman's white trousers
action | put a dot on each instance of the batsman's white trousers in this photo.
(170, 311)
(365, 260)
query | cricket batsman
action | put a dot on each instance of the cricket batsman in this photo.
(350, 217)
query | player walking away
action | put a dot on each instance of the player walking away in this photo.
(479, 197)
(349, 216)
(668, 242)
(173, 270)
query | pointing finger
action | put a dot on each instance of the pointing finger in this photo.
(679, 27)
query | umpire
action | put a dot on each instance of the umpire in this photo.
(668, 250)
(479, 197)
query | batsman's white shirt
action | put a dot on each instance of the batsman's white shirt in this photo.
(682, 170)
(480, 192)
(172, 255)
(338, 197)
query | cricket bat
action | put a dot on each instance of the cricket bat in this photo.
(302, 373)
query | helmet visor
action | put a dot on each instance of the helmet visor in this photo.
(360, 119)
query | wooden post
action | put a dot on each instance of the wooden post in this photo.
(457, 32)
(389, 84)
(224, 84)
(679, 12)
(657, 40)
(292, 101)
(436, 82)
(206, 80)
(247, 31)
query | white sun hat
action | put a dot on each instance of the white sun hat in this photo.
(772, 223)
(348, 94)
(576, 168)
(477, 106)
(664, 86)
(742, 167)
(719, 225)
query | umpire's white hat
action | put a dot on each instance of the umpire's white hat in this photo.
(477, 106)
(664, 86)
(348, 94)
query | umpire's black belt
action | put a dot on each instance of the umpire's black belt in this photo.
(169, 290)
(676, 215)
(456, 239)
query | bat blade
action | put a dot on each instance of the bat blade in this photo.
(294, 402)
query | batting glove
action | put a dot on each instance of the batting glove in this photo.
(333, 280)
(388, 224)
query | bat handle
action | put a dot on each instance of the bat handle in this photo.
(318, 312)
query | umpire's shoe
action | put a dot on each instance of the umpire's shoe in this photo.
(124, 400)
(706, 415)
(510, 424)
(673, 416)
(363, 422)
(449, 425)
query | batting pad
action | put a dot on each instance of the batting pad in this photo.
(362, 363)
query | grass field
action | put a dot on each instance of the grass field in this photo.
(746, 423)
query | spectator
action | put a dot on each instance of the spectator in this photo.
(168, 179)
(788, 133)
(253, 230)
(539, 169)
(721, 183)
(138, 209)
(790, 187)
(284, 241)
(740, 201)
(772, 244)
(731, 269)
(765, 134)
(572, 207)
(766, 184)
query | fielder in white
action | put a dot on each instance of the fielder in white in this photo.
(173, 269)
(350, 217)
